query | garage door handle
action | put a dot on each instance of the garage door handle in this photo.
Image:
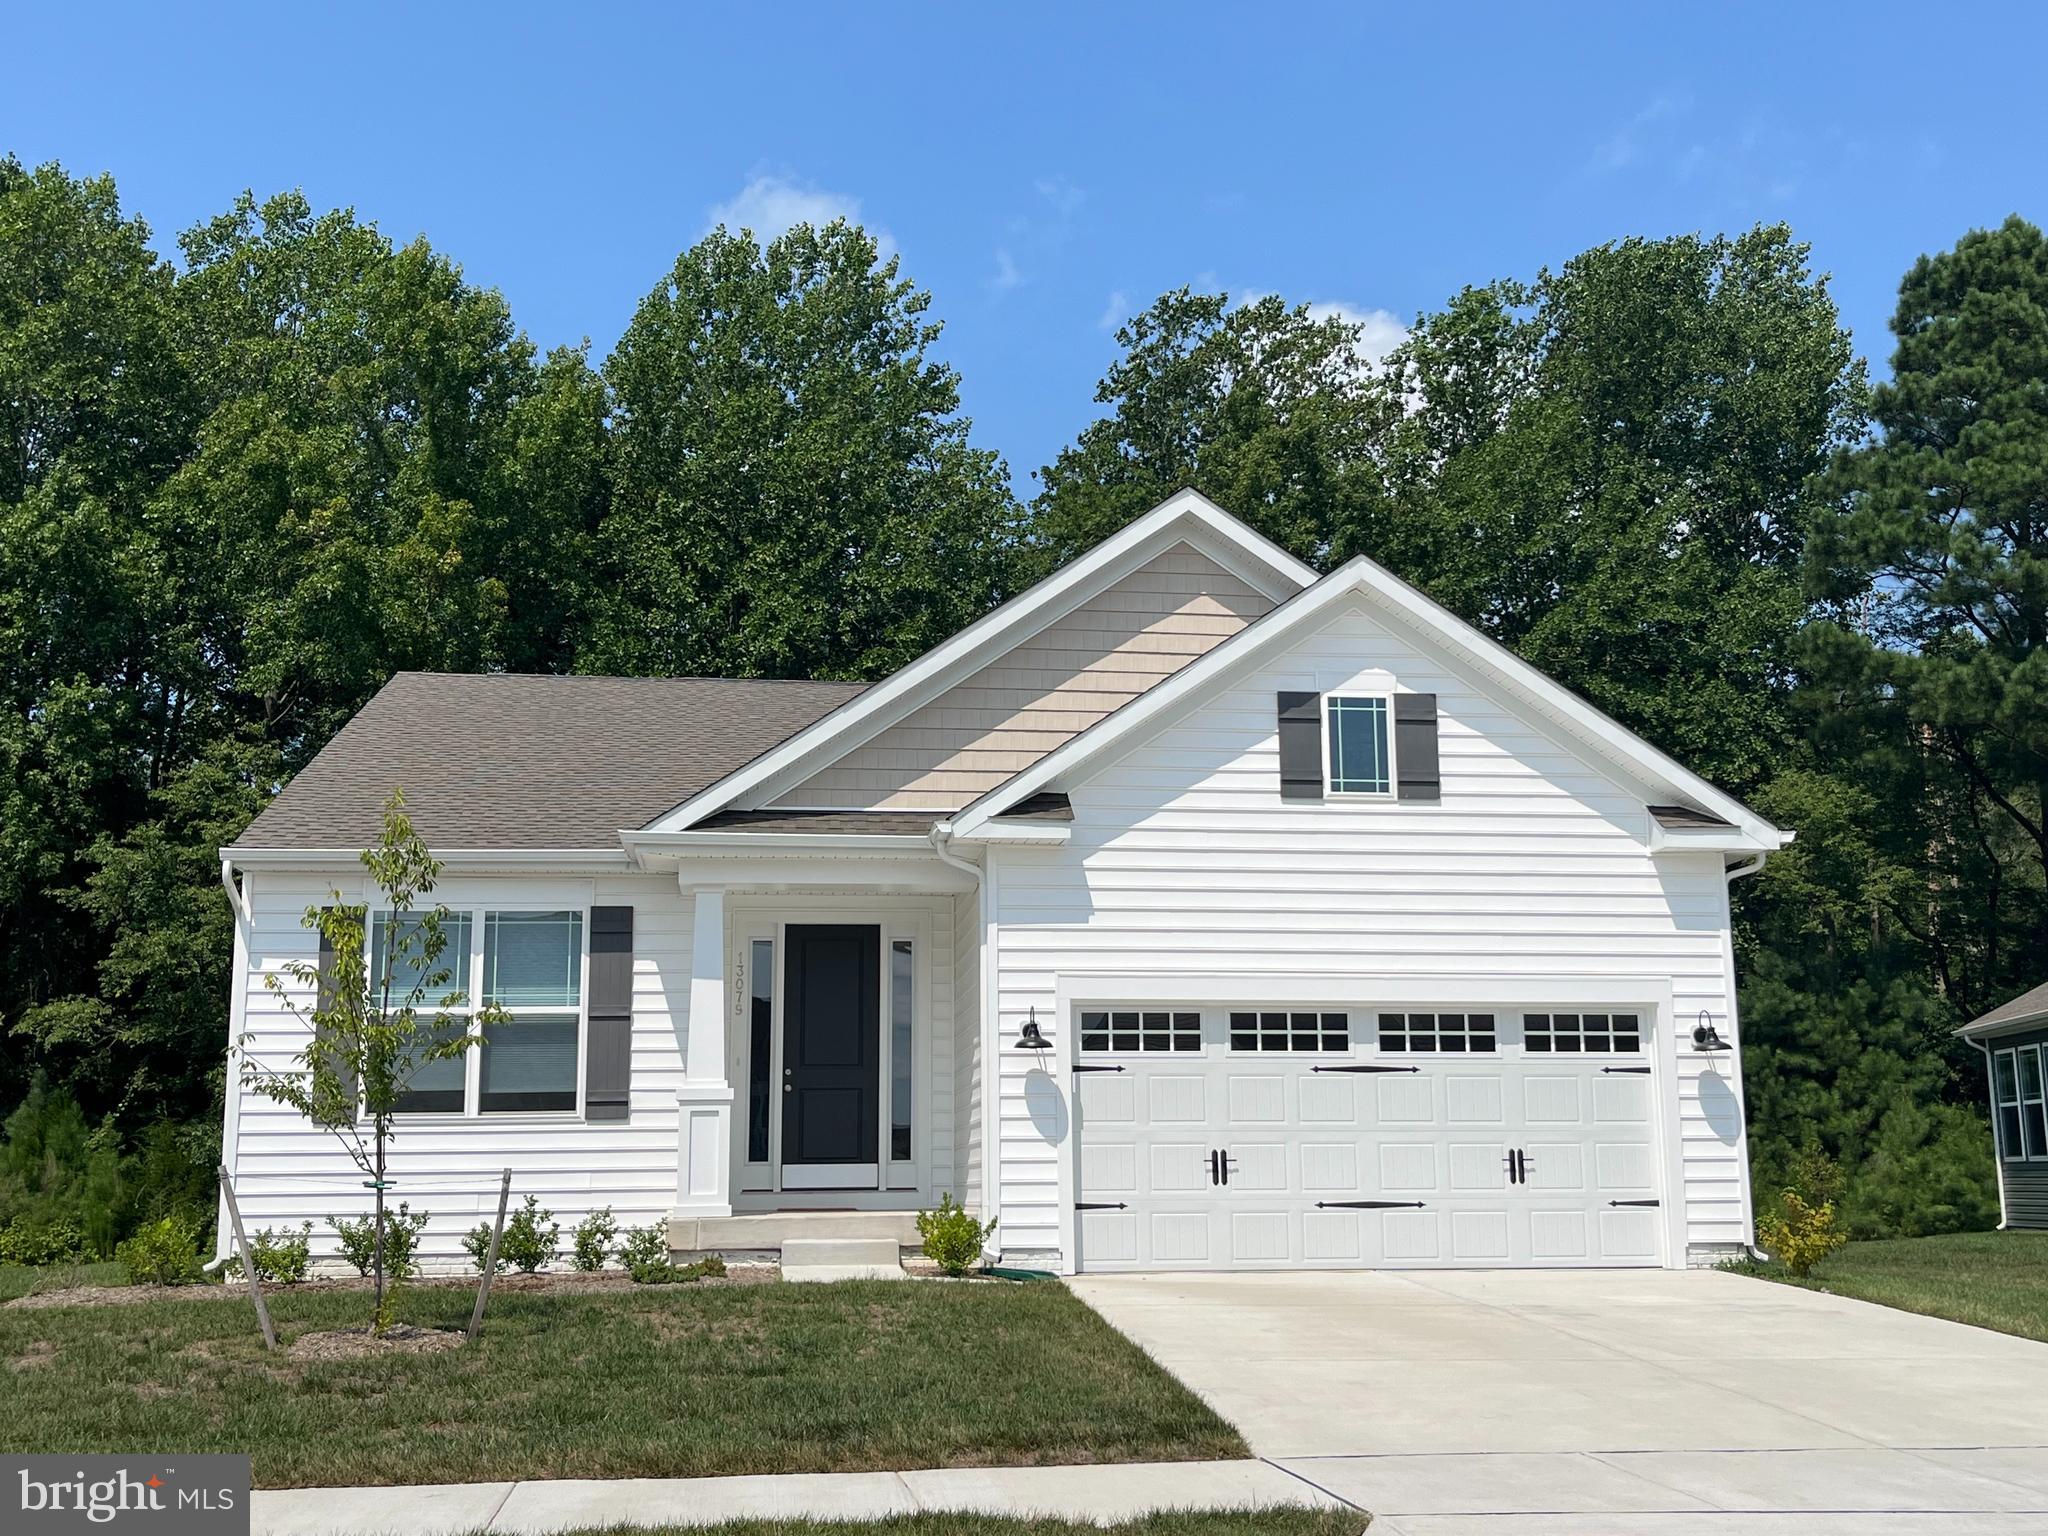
(1633, 1071)
(1367, 1066)
(1099, 1205)
(1089, 1066)
(1370, 1205)
(1635, 1202)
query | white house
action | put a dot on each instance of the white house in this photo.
(1187, 911)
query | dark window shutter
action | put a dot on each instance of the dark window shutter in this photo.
(608, 1075)
(324, 993)
(1415, 747)
(1301, 746)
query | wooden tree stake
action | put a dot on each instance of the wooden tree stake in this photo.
(483, 1289)
(227, 1189)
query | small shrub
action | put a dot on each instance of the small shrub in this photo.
(401, 1236)
(1802, 1236)
(645, 1255)
(282, 1257)
(593, 1240)
(953, 1240)
(37, 1243)
(526, 1245)
(162, 1252)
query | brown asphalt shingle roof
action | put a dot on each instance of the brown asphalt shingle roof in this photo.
(514, 761)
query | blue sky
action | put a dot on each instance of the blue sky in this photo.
(1044, 169)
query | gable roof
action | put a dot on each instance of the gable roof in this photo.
(2027, 1008)
(1186, 517)
(1364, 580)
(531, 762)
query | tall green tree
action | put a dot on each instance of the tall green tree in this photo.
(1935, 568)
(792, 488)
(1269, 409)
(1611, 468)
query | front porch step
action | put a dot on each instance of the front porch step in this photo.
(769, 1231)
(842, 1258)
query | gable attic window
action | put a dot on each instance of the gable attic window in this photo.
(1358, 748)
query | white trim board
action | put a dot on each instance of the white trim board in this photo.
(1185, 517)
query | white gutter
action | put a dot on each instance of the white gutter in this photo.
(1735, 872)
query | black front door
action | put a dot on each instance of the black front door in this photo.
(832, 1044)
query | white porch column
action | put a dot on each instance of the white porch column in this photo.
(704, 1102)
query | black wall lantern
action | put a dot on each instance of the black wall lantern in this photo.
(1031, 1039)
(1705, 1037)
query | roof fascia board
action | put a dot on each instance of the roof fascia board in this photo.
(453, 860)
(1182, 517)
(871, 844)
(1363, 577)
(2020, 1025)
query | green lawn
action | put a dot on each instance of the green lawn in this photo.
(1254, 1522)
(19, 1280)
(1992, 1279)
(669, 1381)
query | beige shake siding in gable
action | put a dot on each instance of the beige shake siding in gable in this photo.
(1049, 688)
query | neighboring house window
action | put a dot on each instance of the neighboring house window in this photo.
(760, 1045)
(900, 1001)
(2022, 1114)
(1136, 1031)
(1290, 1031)
(1599, 1033)
(1358, 747)
(1444, 1033)
(531, 965)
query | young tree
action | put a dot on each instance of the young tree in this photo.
(381, 1012)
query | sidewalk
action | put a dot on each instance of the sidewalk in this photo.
(1096, 1493)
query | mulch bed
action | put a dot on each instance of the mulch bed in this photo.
(563, 1282)
(354, 1343)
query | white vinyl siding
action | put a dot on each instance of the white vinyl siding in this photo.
(968, 1097)
(1046, 689)
(1186, 862)
(287, 1171)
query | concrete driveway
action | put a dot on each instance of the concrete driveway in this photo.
(1653, 1402)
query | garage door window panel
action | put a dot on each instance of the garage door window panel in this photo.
(1134, 1031)
(1273, 1031)
(1588, 1034)
(1453, 1034)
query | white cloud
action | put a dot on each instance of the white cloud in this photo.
(1115, 312)
(774, 205)
(1630, 143)
(1007, 276)
(1065, 197)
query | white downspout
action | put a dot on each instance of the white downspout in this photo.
(941, 836)
(1731, 874)
(1997, 1153)
(231, 1085)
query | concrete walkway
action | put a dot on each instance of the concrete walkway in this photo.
(1652, 1403)
(1098, 1493)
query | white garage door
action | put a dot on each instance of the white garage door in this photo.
(1235, 1139)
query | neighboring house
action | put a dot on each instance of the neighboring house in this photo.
(1188, 911)
(2014, 1040)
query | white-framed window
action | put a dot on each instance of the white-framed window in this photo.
(531, 964)
(1291, 1031)
(1597, 1034)
(760, 1045)
(2018, 1079)
(1358, 744)
(902, 1078)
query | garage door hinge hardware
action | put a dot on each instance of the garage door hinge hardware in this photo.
(1090, 1066)
(1370, 1205)
(1635, 1202)
(1099, 1205)
(1639, 1071)
(1367, 1066)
